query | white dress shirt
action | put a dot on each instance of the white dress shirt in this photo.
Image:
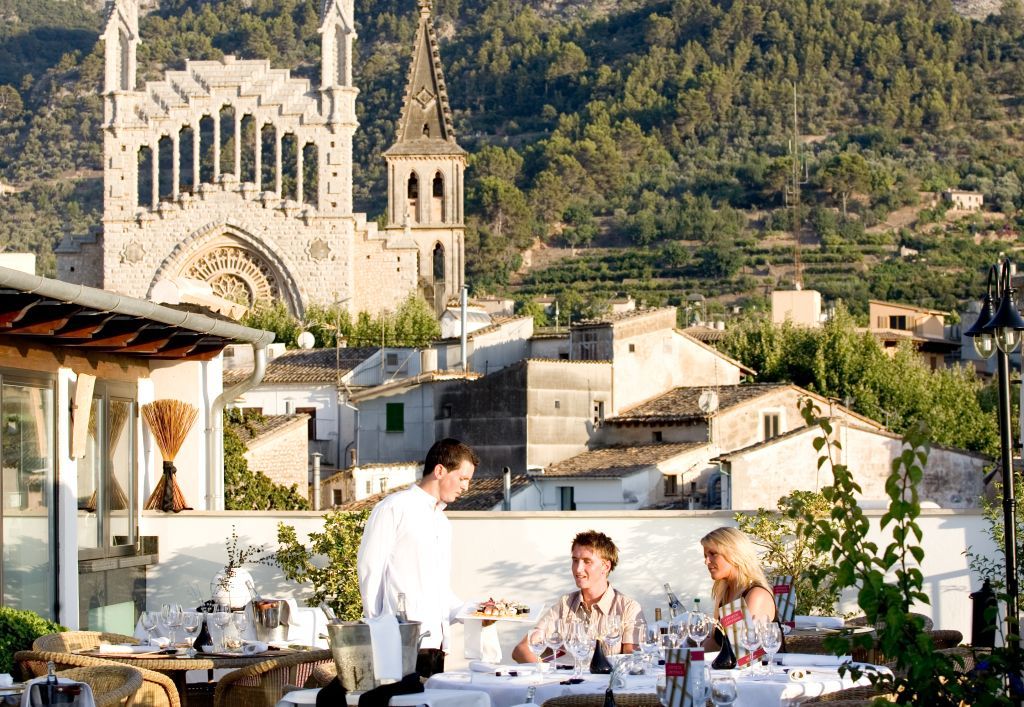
(407, 548)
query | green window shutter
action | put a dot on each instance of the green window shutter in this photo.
(395, 417)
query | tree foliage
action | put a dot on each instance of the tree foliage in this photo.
(246, 490)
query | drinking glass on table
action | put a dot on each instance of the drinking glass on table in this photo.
(537, 642)
(190, 622)
(173, 621)
(555, 640)
(612, 634)
(578, 642)
(679, 630)
(648, 643)
(771, 641)
(699, 626)
(241, 621)
(149, 621)
(221, 618)
(750, 641)
(723, 691)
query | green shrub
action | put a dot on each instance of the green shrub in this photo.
(18, 628)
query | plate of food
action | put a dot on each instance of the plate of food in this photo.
(492, 609)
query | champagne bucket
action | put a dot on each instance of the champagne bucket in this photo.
(266, 615)
(353, 655)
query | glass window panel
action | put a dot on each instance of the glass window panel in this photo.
(26, 483)
(121, 467)
(90, 468)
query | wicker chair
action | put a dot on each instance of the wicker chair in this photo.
(850, 697)
(321, 675)
(967, 656)
(928, 624)
(625, 699)
(263, 684)
(71, 641)
(945, 639)
(157, 689)
(111, 684)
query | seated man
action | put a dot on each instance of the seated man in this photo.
(594, 556)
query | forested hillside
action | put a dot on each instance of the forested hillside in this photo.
(652, 136)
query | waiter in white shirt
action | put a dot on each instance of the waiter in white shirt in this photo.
(407, 549)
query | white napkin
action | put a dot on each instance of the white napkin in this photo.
(254, 647)
(481, 642)
(124, 648)
(386, 643)
(159, 641)
(482, 666)
(85, 698)
(818, 622)
(803, 660)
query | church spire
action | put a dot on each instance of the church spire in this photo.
(426, 114)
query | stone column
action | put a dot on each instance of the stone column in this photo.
(301, 152)
(216, 147)
(277, 161)
(175, 167)
(238, 146)
(155, 169)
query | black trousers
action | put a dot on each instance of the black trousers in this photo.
(429, 661)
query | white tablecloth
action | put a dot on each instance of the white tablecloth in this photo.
(506, 691)
(433, 698)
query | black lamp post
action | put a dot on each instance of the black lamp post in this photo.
(999, 333)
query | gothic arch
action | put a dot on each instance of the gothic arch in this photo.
(239, 266)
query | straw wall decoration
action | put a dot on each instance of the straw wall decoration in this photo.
(169, 421)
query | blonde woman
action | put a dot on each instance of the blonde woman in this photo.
(732, 562)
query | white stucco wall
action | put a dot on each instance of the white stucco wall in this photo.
(376, 444)
(525, 556)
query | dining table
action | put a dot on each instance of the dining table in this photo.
(507, 685)
(177, 667)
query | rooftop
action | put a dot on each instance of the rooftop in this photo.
(256, 427)
(618, 461)
(307, 366)
(483, 495)
(683, 403)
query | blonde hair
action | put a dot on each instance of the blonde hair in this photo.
(739, 551)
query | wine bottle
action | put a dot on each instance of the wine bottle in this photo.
(400, 609)
(675, 606)
(204, 638)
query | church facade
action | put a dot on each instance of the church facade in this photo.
(234, 173)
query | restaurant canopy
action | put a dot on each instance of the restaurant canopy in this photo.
(59, 314)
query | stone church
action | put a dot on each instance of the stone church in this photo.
(234, 173)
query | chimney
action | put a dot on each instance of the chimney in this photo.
(506, 503)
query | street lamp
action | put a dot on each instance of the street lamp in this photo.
(1003, 329)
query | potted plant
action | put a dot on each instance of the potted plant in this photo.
(18, 628)
(230, 585)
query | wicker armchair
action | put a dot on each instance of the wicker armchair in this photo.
(262, 684)
(321, 675)
(71, 641)
(625, 699)
(157, 689)
(928, 624)
(851, 697)
(111, 684)
(945, 639)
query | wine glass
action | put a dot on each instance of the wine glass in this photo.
(648, 643)
(221, 618)
(612, 634)
(750, 641)
(699, 626)
(679, 630)
(537, 641)
(723, 691)
(149, 623)
(173, 621)
(578, 643)
(241, 621)
(771, 641)
(190, 622)
(555, 640)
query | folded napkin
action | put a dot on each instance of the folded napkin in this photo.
(803, 660)
(386, 645)
(818, 622)
(159, 641)
(254, 647)
(482, 666)
(124, 648)
(481, 642)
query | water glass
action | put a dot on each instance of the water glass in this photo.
(191, 621)
(612, 634)
(149, 621)
(555, 640)
(699, 626)
(723, 691)
(750, 641)
(537, 640)
(221, 618)
(173, 621)
(771, 641)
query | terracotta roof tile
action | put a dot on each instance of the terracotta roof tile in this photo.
(306, 366)
(618, 317)
(681, 403)
(255, 427)
(618, 461)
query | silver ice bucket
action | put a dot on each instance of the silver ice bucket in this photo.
(353, 656)
(266, 614)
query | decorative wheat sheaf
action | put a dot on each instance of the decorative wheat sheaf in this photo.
(169, 421)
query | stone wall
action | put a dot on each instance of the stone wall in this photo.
(282, 454)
